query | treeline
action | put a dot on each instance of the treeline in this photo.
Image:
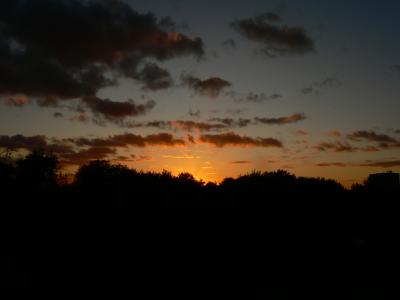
(38, 173)
(259, 223)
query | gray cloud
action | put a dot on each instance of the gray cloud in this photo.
(318, 86)
(275, 40)
(53, 50)
(229, 43)
(233, 139)
(116, 111)
(211, 87)
(282, 120)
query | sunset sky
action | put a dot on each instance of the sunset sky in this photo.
(214, 88)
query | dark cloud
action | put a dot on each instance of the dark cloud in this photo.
(276, 39)
(211, 87)
(241, 162)
(336, 146)
(167, 23)
(116, 111)
(215, 124)
(129, 139)
(36, 76)
(372, 136)
(154, 77)
(76, 151)
(201, 126)
(191, 139)
(252, 97)
(307, 90)
(132, 158)
(70, 49)
(282, 120)
(232, 123)
(316, 87)
(150, 124)
(233, 139)
(83, 156)
(260, 98)
(383, 164)
(382, 141)
(229, 43)
(22, 142)
(30, 143)
(333, 164)
(58, 114)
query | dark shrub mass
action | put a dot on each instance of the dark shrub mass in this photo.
(112, 219)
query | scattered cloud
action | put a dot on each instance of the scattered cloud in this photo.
(83, 156)
(318, 86)
(229, 43)
(154, 77)
(22, 142)
(232, 123)
(383, 164)
(332, 164)
(181, 156)
(201, 126)
(129, 139)
(336, 146)
(216, 123)
(58, 114)
(276, 40)
(382, 141)
(252, 97)
(371, 136)
(167, 23)
(211, 87)
(233, 139)
(116, 111)
(282, 120)
(239, 162)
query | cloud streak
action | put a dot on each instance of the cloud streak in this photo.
(233, 139)
(282, 120)
(211, 87)
(275, 40)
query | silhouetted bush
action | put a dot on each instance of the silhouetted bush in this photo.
(265, 221)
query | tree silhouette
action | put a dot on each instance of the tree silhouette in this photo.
(38, 171)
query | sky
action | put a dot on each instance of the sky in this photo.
(213, 88)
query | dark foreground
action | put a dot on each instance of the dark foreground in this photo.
(260, 235)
